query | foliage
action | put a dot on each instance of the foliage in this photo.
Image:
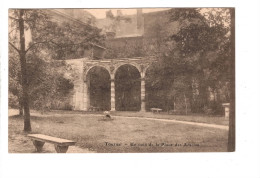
(37, 39)
(195, 60)
(63, 39)
(14, 86)
(124, 48)
(43, 93)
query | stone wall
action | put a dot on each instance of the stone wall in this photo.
(148, 41)
(75, 73)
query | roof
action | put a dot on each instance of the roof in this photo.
(76, 15)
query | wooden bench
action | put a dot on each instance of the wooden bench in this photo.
(175, 111)
(158, 110)
(61, 145)
(93, 109)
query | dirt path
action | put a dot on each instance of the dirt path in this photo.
(181, 122)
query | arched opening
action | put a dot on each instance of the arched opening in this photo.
(127, 88)
(99, 88)
(156, 90)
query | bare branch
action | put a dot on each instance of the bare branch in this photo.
(36, 43)
(13, 18)
(13, 30)
(14, 47)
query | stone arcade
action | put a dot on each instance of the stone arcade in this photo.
(81, 95)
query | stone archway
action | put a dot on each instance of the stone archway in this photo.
(139, 65)
(98, 88)
(127, 88)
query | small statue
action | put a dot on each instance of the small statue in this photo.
(107, 115)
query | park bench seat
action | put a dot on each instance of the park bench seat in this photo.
(92, 108)
(158, 110)
(61, 145)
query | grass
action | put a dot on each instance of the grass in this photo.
(219, 120)
(191, 118)
(120, 135)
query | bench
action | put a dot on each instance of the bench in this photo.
(175, 111)
(93, 109)
(61, 145)
(158, 110)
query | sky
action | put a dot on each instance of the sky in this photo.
(101, 13)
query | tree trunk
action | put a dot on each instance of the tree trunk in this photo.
(186, 107)
(190, 95)
(203, 93)
(27, 123)
(231, 134)
(20, 107)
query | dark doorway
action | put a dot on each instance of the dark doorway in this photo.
(156, 95)
(99, 88)
(128, 88)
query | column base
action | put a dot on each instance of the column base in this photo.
(142, 111)
(61, 149)
(38, 145)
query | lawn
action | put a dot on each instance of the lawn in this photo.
(119, 135)
(191, 118)
(220, 120)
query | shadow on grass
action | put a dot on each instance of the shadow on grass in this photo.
(106, 120)
(21, 117)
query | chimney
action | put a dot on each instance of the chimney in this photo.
(139, 18)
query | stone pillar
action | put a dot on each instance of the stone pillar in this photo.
(86, 95)
(226, 106)
(113, 106)
(142, 94)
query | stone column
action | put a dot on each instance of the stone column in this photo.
(86, 95)
(226, 106)
(113, 106)
(142, 94)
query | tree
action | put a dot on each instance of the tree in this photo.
(196, 43)
(198, 54)
(15, 87)
(43, 93)
(48, 37)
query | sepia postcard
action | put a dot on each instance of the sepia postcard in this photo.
(143, 80)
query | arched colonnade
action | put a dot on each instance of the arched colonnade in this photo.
(141, 64)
